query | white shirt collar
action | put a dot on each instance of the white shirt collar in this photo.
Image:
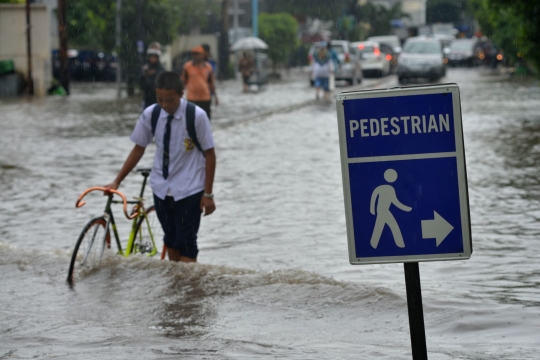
(178, 114)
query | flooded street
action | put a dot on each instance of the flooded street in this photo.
(273, 278)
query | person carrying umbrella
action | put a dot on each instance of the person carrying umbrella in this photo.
(246, 66)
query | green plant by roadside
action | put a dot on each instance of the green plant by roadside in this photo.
(514, 26)
(279, 31)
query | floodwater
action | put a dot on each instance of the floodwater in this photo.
(273, 279)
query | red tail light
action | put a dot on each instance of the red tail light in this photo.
(389, 57)
(376, 52)
(347, 57)
(361, 46)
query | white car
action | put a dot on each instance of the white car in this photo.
(374, 61)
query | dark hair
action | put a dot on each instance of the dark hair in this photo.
(206, 47)
(169, 80)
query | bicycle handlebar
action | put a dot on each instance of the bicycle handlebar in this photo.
(81, 203)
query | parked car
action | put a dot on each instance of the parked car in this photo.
(444, 39)
(421, 58)
(374, 61)
(465, 52)
(350, 69)
(87, 65)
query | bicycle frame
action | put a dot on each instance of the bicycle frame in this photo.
(141, 215)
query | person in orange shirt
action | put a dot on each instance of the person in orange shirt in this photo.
(198, 79)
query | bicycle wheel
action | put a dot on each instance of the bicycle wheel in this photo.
(143, 242)
(89, 248)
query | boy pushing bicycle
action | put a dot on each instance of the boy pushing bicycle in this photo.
(184, 165)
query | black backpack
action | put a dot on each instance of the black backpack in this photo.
(190, 123)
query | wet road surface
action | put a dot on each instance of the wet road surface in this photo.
(273, 278)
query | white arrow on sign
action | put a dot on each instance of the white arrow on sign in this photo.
(438, 228)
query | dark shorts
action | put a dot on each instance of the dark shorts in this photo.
(205, 105)
(180, 221)
(246, 79)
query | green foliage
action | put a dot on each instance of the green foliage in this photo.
(279, 32)
(374, 20)
(12, 1)
(446, 11)
(321, 9)
(514, 26)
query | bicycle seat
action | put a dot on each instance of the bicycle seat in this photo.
(145, 171)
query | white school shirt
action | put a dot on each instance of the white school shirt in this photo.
(186, 163)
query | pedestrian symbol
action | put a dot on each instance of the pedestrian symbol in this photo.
(404, 175)
(385, 197)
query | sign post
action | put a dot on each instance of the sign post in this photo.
(405, 183)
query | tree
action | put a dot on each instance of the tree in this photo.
(279, 31)
(446, 11)
(375, 20)
(91, 24)
(514, 26)
(320, 9)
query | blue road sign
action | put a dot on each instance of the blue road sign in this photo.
(404, 175)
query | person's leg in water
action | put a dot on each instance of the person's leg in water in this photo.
(246, 80)
(180, 221)
(326, 88)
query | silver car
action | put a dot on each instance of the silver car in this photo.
(349, 69)
(421, 58)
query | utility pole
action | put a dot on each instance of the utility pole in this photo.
(235, 20)
(29, 49)
(255, 18)
(62, 27)
(118, 44)
(224, 41)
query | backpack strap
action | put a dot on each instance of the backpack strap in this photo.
(155, 118)
(190, 124)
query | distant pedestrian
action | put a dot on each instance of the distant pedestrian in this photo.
(322, 68)
(208, 57)
(149, 73)
(199, 81)
(246, 66)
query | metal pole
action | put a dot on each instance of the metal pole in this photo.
(255, 18)
(224, 42)
(29, 49)
(118, 44)
(416, 312)
(62, 27)
(235, 21)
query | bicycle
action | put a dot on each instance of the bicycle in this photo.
(96, 235)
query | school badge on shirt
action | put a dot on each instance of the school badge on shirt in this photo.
(188, 144)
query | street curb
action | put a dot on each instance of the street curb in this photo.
(286, 109)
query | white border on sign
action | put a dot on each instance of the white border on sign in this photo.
(459, 154)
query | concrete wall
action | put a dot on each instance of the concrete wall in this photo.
(13, 42)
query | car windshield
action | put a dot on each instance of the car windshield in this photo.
(461, 45)
(422, 47)
(363, 49)
(338, 49)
